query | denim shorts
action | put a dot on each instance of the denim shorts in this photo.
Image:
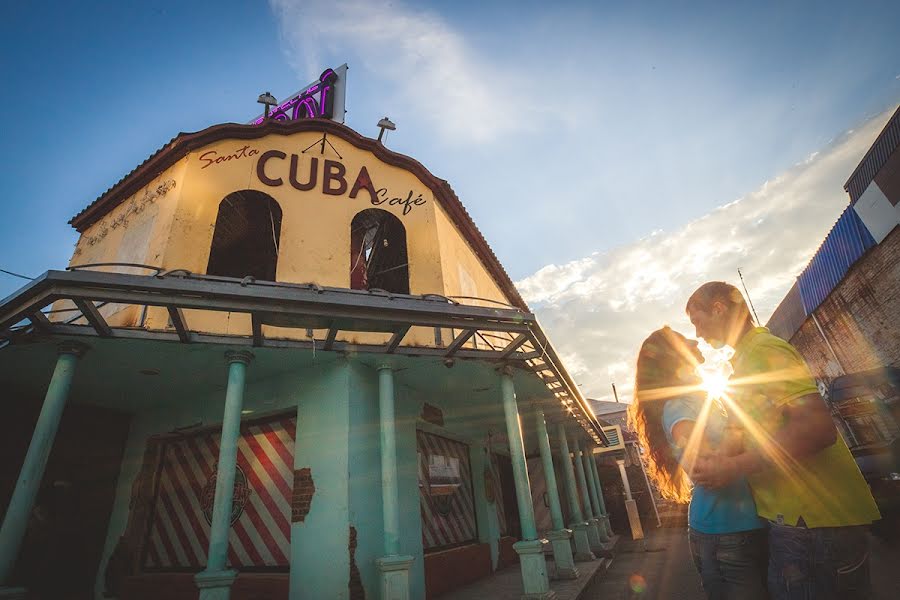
(822, 564)
(732, 566)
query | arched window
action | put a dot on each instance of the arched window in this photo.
(245, 241)
(378, 256)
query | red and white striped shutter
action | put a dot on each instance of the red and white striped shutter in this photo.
(260, 536)
(456, 523)
(498, 493)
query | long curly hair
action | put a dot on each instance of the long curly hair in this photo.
(665, 370)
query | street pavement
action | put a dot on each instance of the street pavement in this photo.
(660, 568)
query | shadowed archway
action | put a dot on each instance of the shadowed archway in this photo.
(378, 256)
(246, 238)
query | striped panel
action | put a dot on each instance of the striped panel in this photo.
(498, 490)
(260, 534)
(445, 492)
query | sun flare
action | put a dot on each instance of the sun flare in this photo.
(715, 371)
(715, 384)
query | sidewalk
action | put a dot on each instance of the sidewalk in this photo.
(661, 569)
(657, 568)
(506, 584)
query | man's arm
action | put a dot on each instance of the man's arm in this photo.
(807, 429)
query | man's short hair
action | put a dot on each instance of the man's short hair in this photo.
(718, 291)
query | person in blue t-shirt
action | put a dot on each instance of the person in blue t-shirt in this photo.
(674, 423)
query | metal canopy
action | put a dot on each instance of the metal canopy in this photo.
(516, 337)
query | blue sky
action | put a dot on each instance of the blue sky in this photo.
(570, 131)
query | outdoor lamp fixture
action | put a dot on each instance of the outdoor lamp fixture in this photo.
(383, 124)
(268, 100)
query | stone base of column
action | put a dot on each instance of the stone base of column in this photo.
(582, 542)
(594, 540)
(393, 576)
(13, 593)
(607, 545)
(535, 583)
(215, 585)
(560, 540)
(605, 519)
(601, 529)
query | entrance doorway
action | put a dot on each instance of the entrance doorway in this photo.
(61, 551)
(508, 492)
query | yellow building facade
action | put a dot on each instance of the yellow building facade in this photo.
(319, 181)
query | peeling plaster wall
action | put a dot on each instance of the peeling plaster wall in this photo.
(465, 420)
(320, 561)
(463, 273)
(274, 395)
(336, 404)
(407, 409)
(136, 231)
(315, 232)
(365, 475)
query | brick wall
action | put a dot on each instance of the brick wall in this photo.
(301, 499)
(357, 591)
(860, 318)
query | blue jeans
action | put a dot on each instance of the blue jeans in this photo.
(732, 566)
(821, 564)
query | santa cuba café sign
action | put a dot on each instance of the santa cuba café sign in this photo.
(275, 169)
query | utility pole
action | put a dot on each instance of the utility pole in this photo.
(748, 297)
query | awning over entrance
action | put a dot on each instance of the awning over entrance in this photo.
(506, 334)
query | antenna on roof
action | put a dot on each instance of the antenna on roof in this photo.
(615, 393)
(747, 293)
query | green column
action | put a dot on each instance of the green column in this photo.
(582, 482)
(588, 458)
(589, 475)
(560, 538)
(517, 454)
(550, 475)
(215, 581)
(582, 531)
(22, 501)
(393, 568)
(389, 492)
(532, 564)
(596, 474)
(569, 473)
(604, 517)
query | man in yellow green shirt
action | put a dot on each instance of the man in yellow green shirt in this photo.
(803, 478)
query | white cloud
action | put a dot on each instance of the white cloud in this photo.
(422, 63)
(598, 309)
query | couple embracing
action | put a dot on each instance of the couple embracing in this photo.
(778, 507)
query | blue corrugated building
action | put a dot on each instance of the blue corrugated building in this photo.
(873, 213)
(847, 242)
(843, 313)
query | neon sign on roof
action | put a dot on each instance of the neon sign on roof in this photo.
(323, 98)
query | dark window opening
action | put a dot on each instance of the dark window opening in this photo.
(510, 524)
(378, 258)
(246, 238)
